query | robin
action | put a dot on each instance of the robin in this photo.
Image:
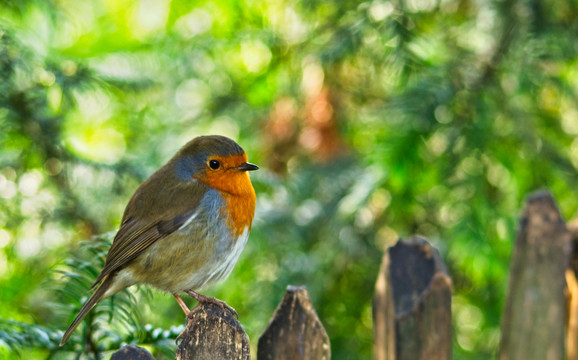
(185, 226)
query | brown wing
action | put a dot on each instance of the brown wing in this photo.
(174, 204)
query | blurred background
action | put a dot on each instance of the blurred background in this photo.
(370, 120)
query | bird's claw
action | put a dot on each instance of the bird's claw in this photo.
(205, 299)
(181, 336)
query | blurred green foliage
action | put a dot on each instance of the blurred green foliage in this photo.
(370, 120)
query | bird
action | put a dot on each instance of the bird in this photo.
(184, 227)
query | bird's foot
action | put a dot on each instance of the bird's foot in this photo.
(204, 300)
(181, 336)
(191, 313)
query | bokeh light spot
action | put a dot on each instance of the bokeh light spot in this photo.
(194, 23)
(256, 56)
(30, 182)
(104, 145)
(378, 10)
(7, 188)
(4, 238)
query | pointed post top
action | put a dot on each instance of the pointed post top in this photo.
(294, 332)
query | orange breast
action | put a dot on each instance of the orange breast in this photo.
(240, 211)
(237, 191)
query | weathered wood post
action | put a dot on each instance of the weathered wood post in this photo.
(572, 283)
(412, 304)
(214, 333)
(294, 332)
(534, 318)
(132, 352)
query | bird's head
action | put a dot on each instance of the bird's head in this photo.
(217, 162)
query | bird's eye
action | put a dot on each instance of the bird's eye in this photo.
(214, 164)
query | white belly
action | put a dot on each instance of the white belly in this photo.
(220, 268)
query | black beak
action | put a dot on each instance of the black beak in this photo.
(247, 167)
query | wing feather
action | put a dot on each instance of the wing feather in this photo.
(139, 231)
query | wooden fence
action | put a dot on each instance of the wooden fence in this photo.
(412, 305)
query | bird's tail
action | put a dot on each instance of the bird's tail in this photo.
(94, 299)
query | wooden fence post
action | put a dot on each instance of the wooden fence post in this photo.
(294, 332)
(214, 333)
(132, 352)
(572, 283)
(412, 304)
(535, 312)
